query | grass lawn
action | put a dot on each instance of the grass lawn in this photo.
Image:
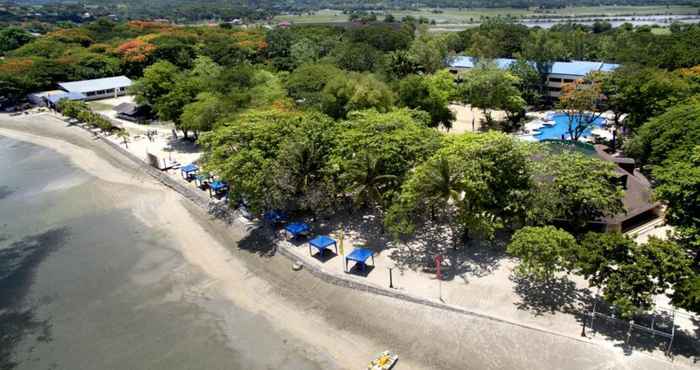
(661, 31)
(97, 106)
(457, 16)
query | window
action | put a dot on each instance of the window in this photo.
(568, 81)
(552, 79)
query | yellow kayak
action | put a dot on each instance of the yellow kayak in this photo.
(384, 361)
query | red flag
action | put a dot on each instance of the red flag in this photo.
(438, 266)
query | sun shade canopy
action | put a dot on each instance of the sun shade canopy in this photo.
(297, 228)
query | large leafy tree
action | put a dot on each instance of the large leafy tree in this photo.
(577, 189)
(543, 251)
(158, 80)
(306, 83)
(432, 94)
(12, 38)
(429, 51)
(354, 91)
(642, 92)
(301, 171)
(243, 152)
(490, 88)
(476, 184)
(202, 114)
(543, 51)
(675, 131)
(372, 144)
(630, 275)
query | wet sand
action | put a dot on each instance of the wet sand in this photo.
(331, 325)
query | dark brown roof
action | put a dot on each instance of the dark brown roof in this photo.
(638, 193)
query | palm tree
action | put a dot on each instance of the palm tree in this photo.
(305, 162)
(443, 181)
(366, 180)
(443, 188)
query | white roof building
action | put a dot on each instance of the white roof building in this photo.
(99, 88)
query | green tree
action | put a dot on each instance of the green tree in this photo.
(301, 167)
(157, 81)
(395, 142)
(306, 83)
(432, 94)
(529, 81)
(643, 93)
(12, 38)
(675, 131)
(243, 152)
(357, 56)
(200, 115)
(490, 88)
(630, 275)
(579, 189)
(543, 251)
(353, 91)
(401, 64)
(429, 51)
(543, 51)
(678, 185)
(476, 184)
(71, 108)
(367, 181)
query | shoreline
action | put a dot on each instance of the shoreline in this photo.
(202, 246)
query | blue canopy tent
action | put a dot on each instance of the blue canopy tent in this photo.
(218, 187)
(321, 243)
(275, 217)
(297, 229)
(188, 172)
(360, 256)
(203, 180)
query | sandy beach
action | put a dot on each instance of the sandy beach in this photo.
(335, 325)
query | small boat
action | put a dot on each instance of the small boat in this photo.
(384, 361)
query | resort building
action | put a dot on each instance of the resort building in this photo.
(100, 88)
(560, 72)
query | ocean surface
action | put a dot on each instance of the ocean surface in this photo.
(85, 285)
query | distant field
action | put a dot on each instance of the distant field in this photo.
(457, 16)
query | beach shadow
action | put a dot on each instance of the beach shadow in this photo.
(557, 295)
(260, 240)
(617, 329)
(359, 271)
(475, 258)
(323, 257)
(181, 145)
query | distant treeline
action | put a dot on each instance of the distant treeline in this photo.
(250, 10)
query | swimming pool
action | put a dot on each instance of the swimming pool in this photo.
(561, 127)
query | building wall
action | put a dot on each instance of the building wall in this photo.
(555, 82)
(105, 94)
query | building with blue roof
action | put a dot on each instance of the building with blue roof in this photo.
(51, 98)
(560, 73)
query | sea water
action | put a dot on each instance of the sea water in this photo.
(84, 285)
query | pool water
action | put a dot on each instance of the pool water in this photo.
(561, 127)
